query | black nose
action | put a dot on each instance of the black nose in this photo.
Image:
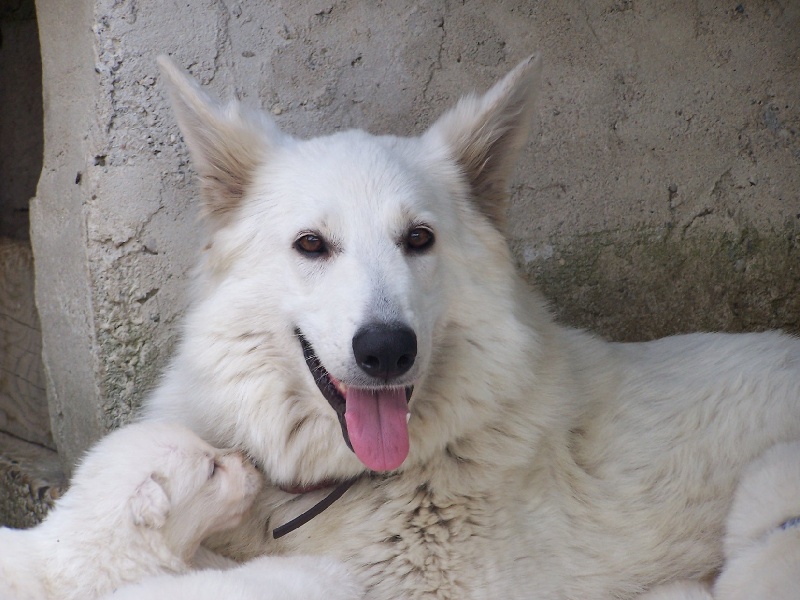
(386, 350)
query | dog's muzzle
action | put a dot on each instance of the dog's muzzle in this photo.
(374, 420)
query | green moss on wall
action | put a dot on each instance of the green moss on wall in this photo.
(647, 283)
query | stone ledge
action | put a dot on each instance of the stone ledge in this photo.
(31, 479)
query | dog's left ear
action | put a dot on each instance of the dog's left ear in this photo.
(150, 503)
(484, 134)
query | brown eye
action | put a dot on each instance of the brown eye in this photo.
(419, 239)
(311, 245)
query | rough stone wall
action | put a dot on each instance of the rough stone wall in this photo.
(663, 193)
(30, 482)
(659, 193)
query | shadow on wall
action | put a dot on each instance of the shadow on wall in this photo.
(23, 403)
(28, 468)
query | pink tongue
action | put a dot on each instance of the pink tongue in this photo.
(377, 427)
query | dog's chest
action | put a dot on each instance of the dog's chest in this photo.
(415, 544)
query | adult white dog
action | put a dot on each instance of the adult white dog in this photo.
(358, 318)
(139, 504)
(266, 578)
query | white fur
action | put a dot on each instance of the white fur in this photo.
(267, 578)
(679, 590)
(139, 504)
(544, 463)
(762, 559)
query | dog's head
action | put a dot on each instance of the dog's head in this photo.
(163, 478)
(344, 260)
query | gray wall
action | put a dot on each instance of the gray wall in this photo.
(660, 192)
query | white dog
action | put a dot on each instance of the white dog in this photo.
(139, 504)
(267, 578)
(358, 319)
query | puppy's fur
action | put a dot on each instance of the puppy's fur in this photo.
(139, 504)
(762, 545)
(538, 461)
(267, 578)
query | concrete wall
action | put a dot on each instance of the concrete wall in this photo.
(660, 192)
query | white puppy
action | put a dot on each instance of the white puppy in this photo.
(266, 578)
(762, 546)
(139, 504)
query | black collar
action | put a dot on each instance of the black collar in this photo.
(312, 512)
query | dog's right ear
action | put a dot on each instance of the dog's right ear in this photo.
(485, 134)
(150, 503)
(227, 144)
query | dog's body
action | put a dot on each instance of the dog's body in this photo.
(139, 504)
(266, 578)
(538, 461)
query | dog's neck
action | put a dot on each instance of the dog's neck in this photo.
(306, 489)
(315, 510)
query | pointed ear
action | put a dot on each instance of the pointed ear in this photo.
(227, 144)
(150, 503)
(484, 135)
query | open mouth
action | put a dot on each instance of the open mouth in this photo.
(374, 421)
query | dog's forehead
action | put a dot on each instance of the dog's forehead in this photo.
(183, 461)
(179, 444)
(348, 174)
(130, 454)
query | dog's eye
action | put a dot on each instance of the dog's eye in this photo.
(311, 244)
(212, 469)
(419, 239)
